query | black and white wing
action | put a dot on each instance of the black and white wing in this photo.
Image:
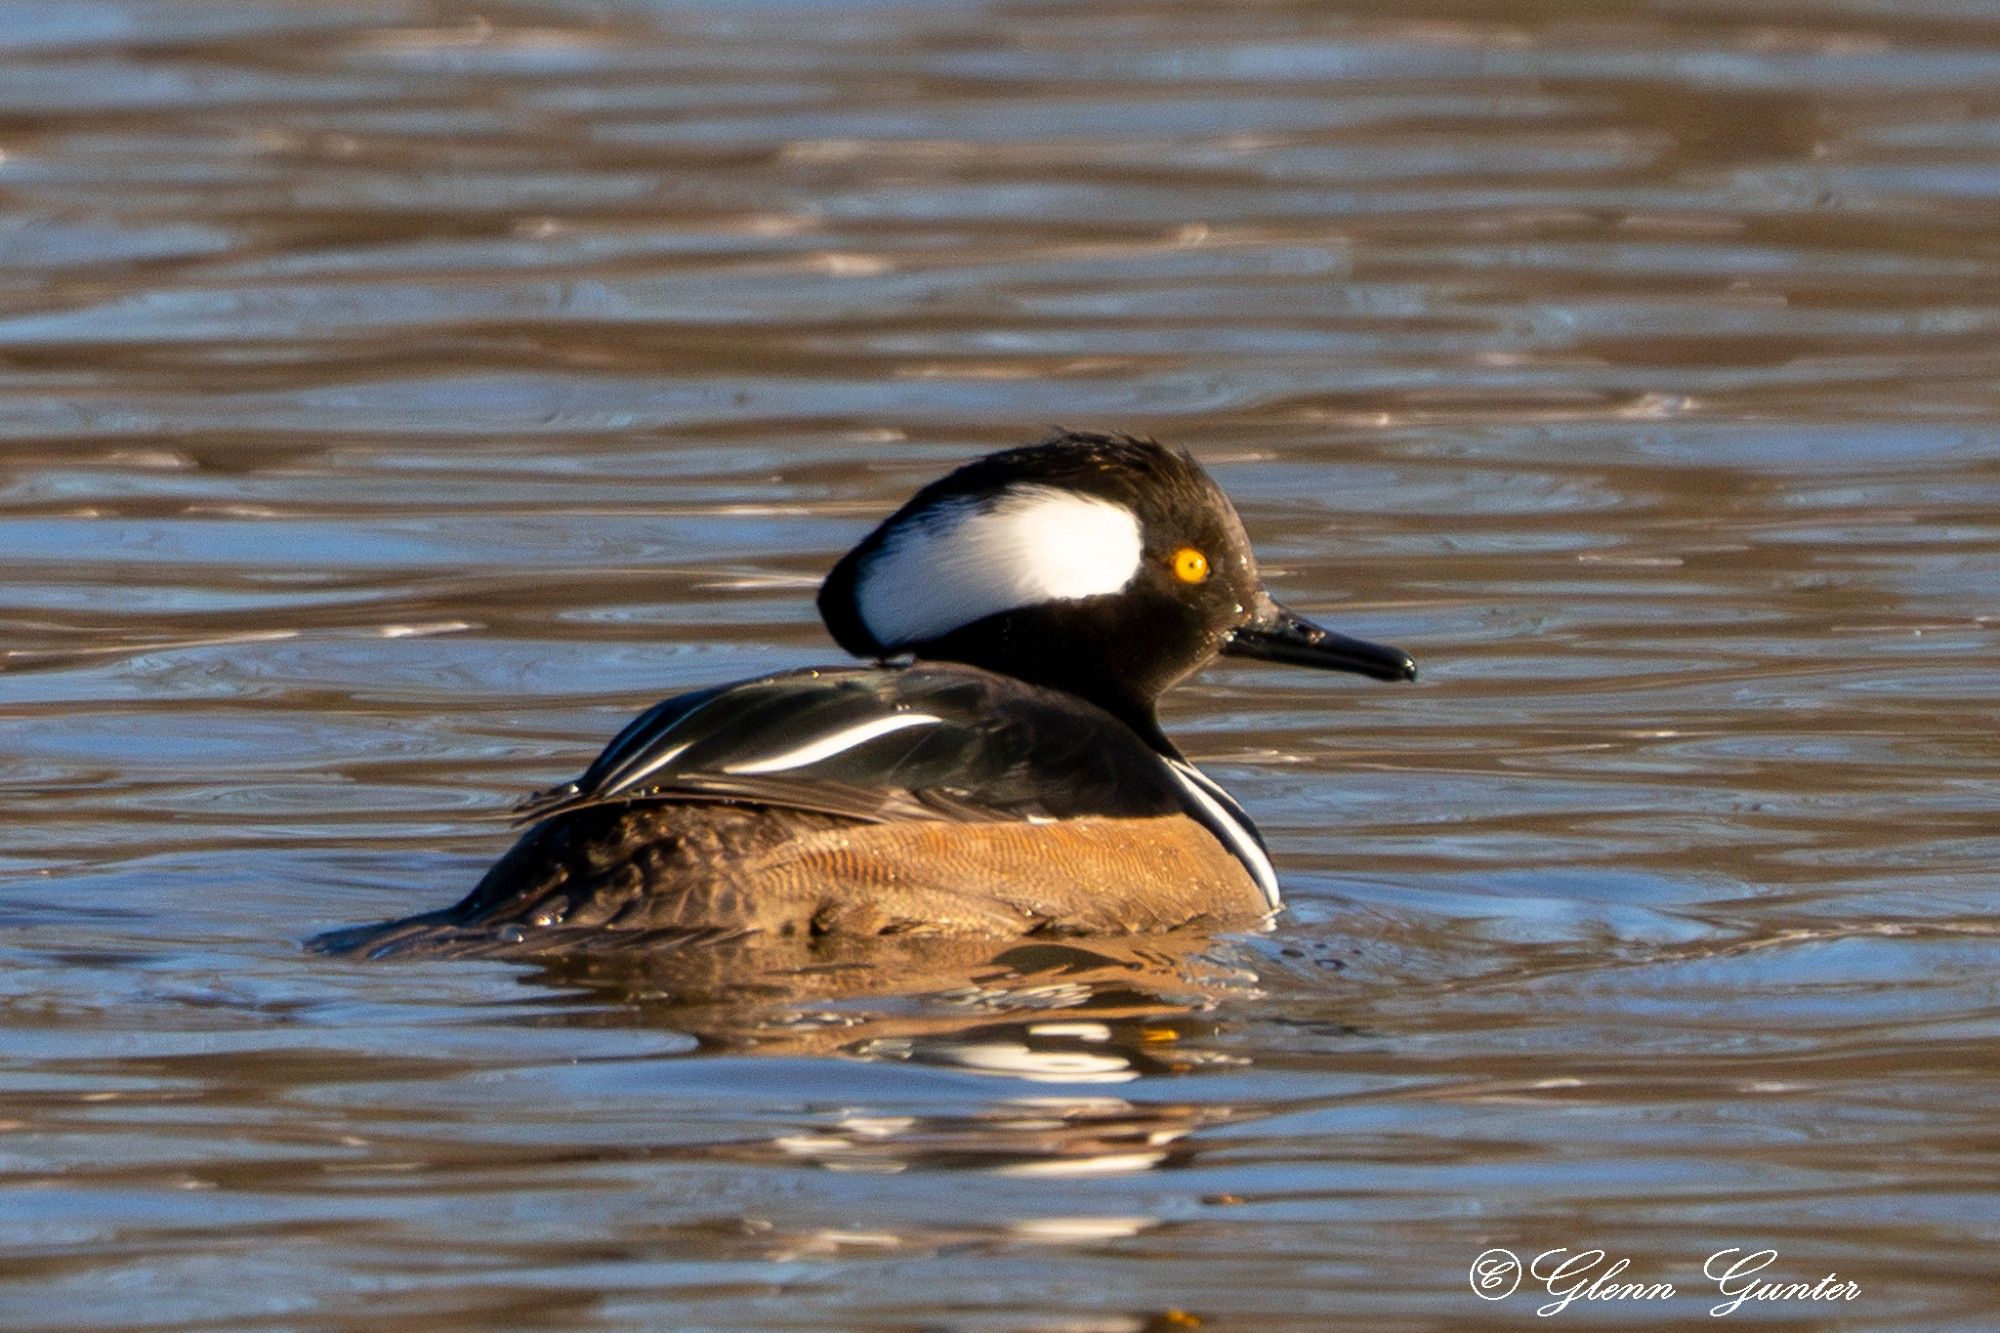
(878, 744)
(933, 741)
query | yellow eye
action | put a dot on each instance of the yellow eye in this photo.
(1190, 565)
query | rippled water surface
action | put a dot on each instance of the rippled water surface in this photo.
(396, 396)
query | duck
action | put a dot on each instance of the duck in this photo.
(992, 766)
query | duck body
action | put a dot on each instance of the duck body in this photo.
(1010, 780)
(937, 798)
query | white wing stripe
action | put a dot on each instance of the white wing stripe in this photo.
(633, 751)
(624, 781)
(1197, 784)
(828, 746)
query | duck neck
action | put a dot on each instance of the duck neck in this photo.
(1141, 716)
(1080, 652)
(1136, 708)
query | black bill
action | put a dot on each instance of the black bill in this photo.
(1277, 635)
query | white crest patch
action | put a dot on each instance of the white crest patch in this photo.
(965, 561)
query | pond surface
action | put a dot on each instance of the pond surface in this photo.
(395, 397)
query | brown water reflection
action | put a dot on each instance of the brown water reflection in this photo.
(395, 396)
(1061, 1011)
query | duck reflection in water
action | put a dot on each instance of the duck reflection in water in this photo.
(1101, 1011)
(1081, 1017)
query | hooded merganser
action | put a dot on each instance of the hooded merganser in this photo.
(1011, 778)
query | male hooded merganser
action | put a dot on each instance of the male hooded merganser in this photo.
(1011, 778)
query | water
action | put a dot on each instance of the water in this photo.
(397, 396)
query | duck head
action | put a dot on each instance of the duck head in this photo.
(1104, 565)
